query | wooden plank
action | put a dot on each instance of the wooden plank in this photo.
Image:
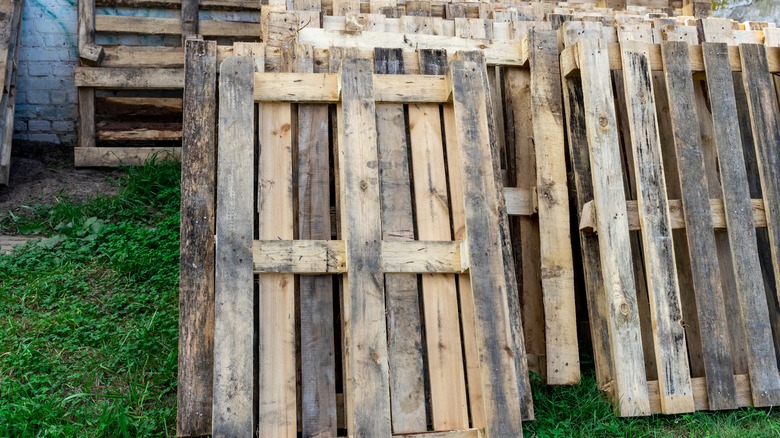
(86, 96)
(136, 134)
(122, 156)
(615, 250)
(9, 73)
(236, 29)
(557, 265)
(323, 87)
(676, 215)
(318, 365)
(495, 52)
(762, 104)
(701, 394)
(196, 261)
(465, 433)
(660, 266)
(116, 24)
(467, 307)
(277, 397)
(404, 327)
(494, 336)
(364, 296)
(189, 19)
(699, 225)
(234, 284)
(741, 229)
(518, 91)
(520, 202)
(439, 292)
(513, 302)
(142, 78)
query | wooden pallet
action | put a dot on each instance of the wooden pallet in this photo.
(130, 103)
(10, 25)
(362, 255)
(664, 341)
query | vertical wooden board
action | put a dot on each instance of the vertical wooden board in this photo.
(557, 265)
(698, 223)
(404, 329)
(364, 291)
(86, 96)
(762, 105)
(615, 249)
(512, 297)
(189, 19)
(440, 299)
(196, 260)
(494, 337)
(663, 290)
(518, 92)
(232, 411)
(583, 184)
(741, 227)
(318, 364)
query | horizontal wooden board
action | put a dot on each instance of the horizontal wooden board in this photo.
(700, 397)
(126, 78)
(467, 433)
(329, 256)
(116, 24)
(588, 220)
(121, 156)
(496, 52)
(570, 63)
(139, 134)
(324, 87)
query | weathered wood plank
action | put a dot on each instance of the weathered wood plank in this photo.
(142, 78)
(234, 286)
(196, 284)
(557, 265)
(494, 336)
(762, 104)
(189, 19)
(122, 156)
(364, 292)
(659, 260)
(615, 250)
(583, 183)
(705, 270)
(318, 366)
(404, 327)
(86, 96)
(439, 292)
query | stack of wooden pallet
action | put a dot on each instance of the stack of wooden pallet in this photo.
(10, 24)
(130, 88)
(376, 224)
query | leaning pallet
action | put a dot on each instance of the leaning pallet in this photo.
(702, 356)
(130, 104)
(10, 24)
(361, 256)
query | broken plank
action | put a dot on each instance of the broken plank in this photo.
(615, 250)
(233, 413)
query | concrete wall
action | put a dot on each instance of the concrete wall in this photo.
(46, 104)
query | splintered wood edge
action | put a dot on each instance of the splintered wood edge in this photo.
(588, 217)
(329, 256)
(570, 63)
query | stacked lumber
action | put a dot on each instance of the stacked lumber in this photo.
(131, 74)
(10, 24)
(677, 224)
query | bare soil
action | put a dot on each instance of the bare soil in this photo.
(44, 174)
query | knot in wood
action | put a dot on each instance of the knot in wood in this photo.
(624, 309)
(603, 121)
(363, 185)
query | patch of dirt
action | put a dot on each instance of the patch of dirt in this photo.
(44, 173)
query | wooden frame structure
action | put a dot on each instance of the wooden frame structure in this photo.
(10, 38)
(661, 347)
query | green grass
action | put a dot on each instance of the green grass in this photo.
(88, 330)
(88, 316)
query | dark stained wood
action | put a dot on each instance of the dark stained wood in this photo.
(189, 19)
(705, 270)
(233, 413)
(196, 284)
